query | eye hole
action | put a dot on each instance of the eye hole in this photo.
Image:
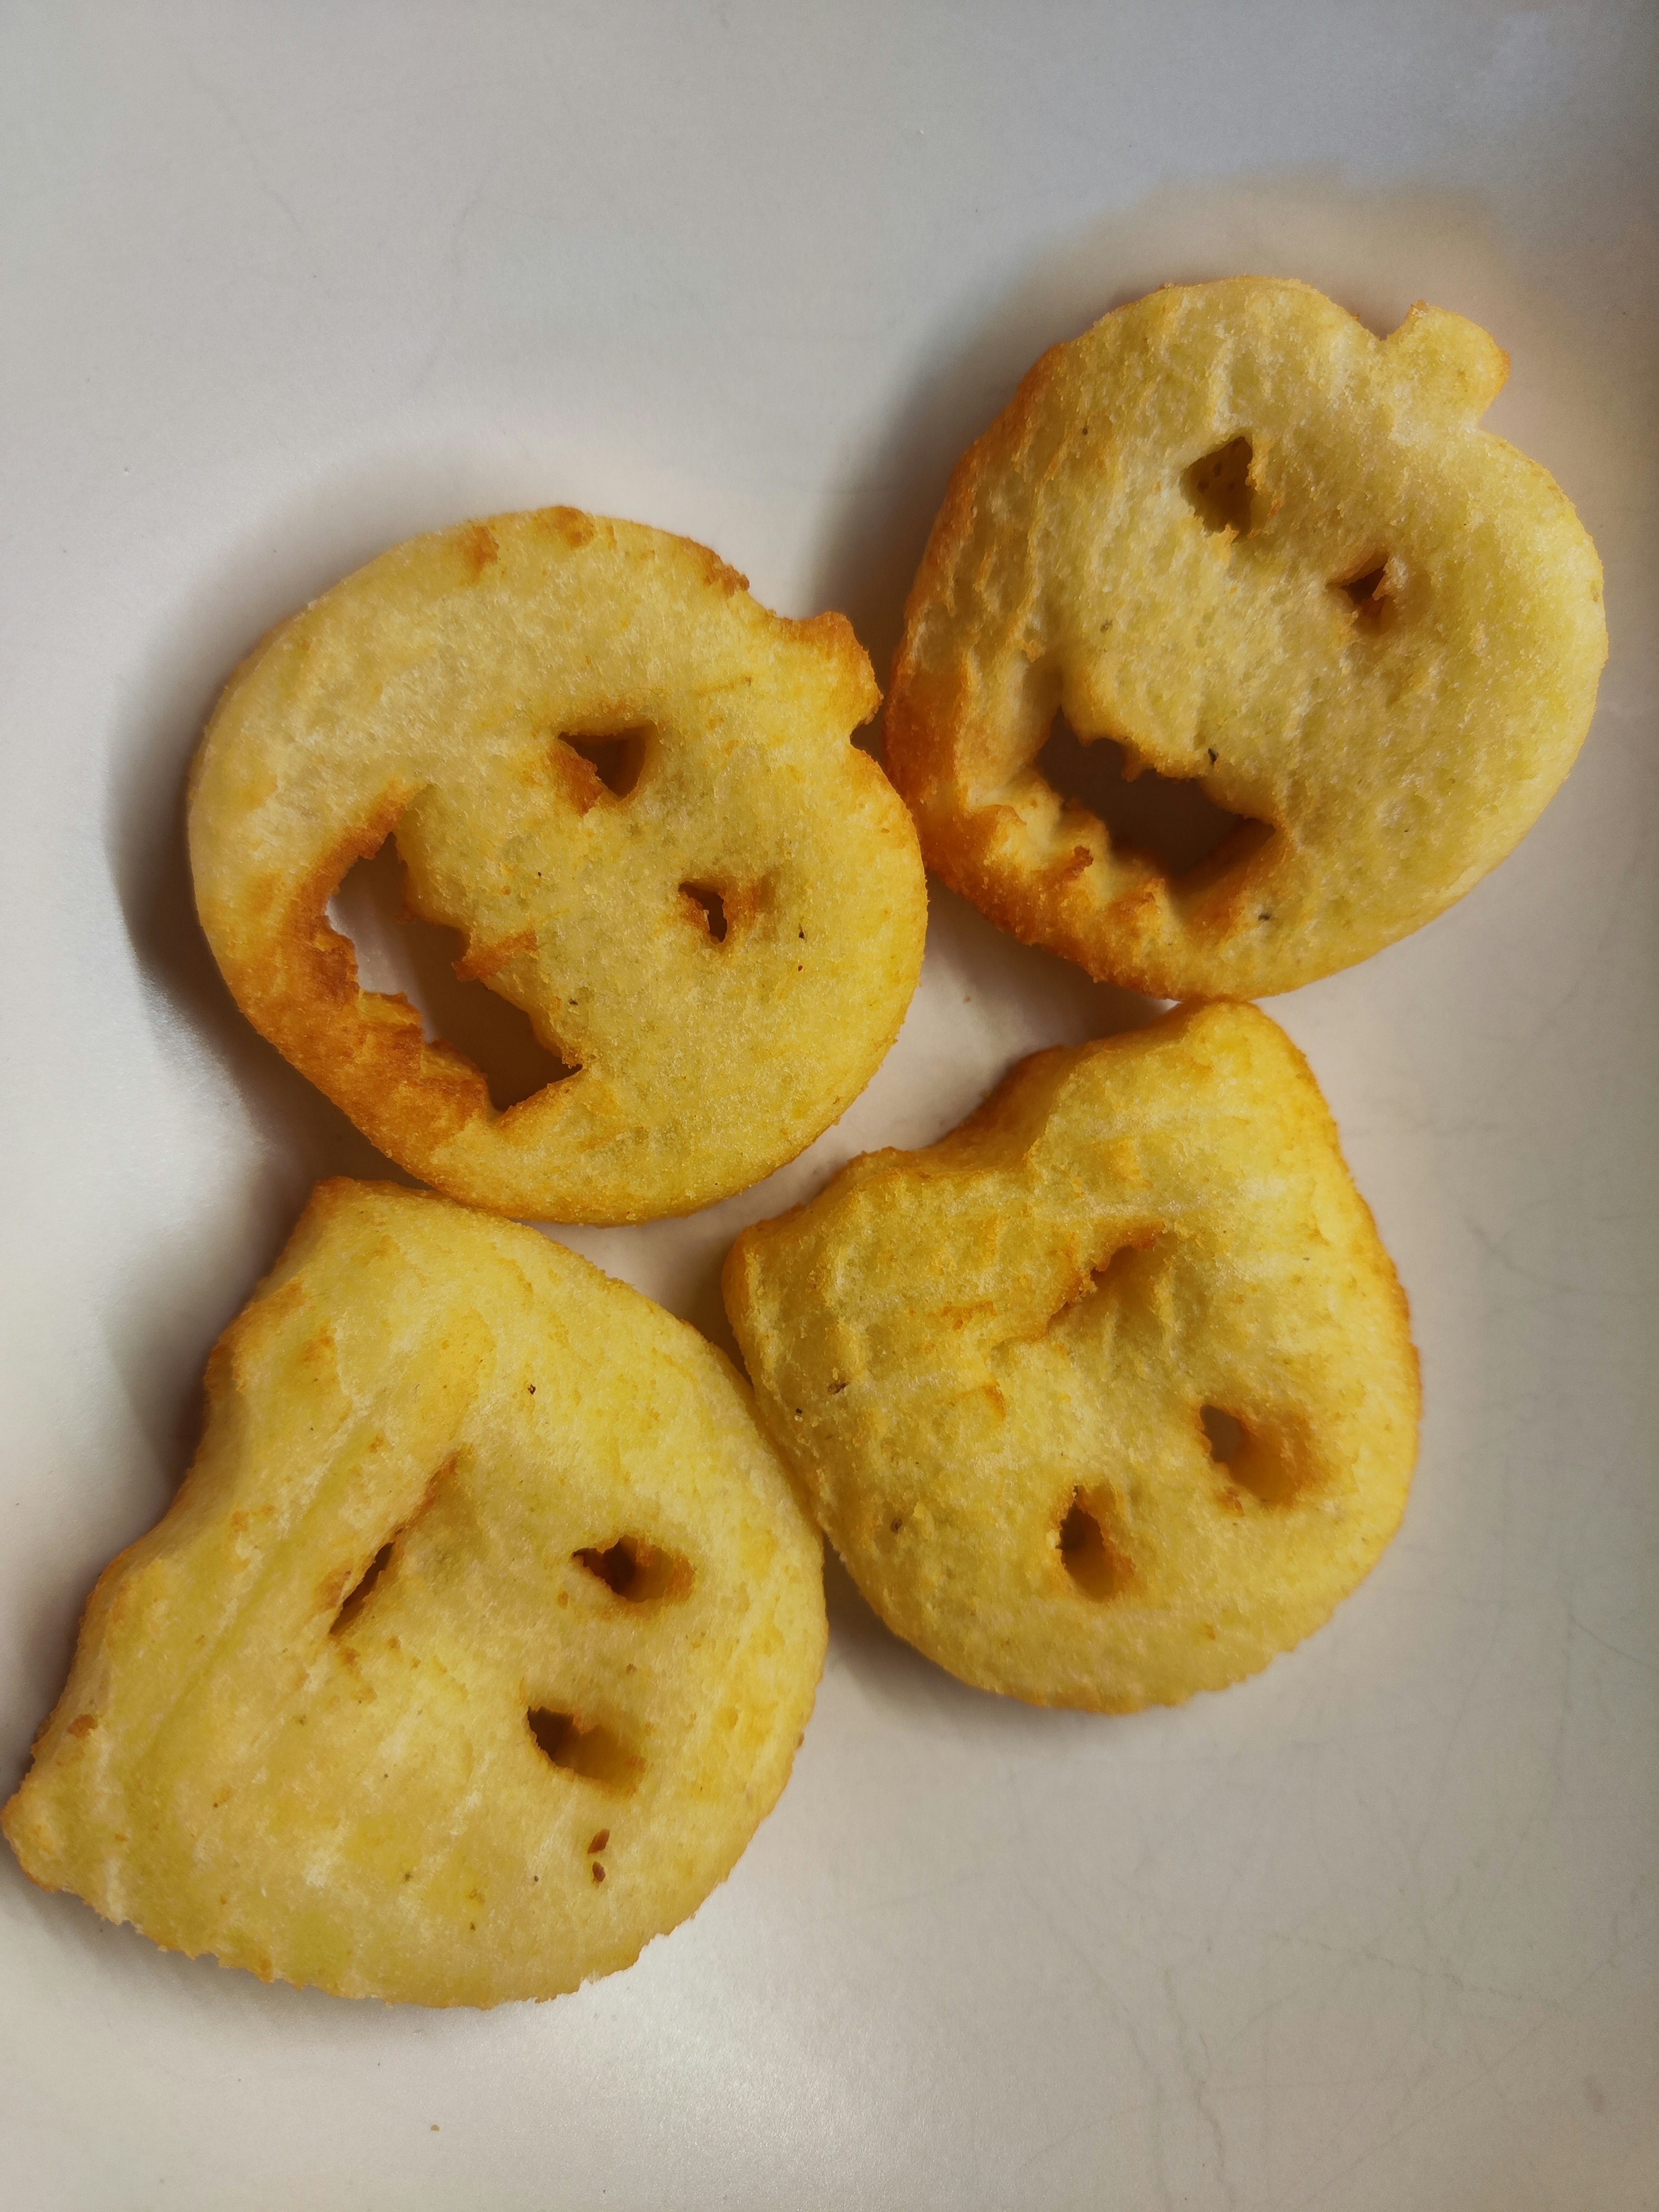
(636, 1570)
(585, 1747)
(616, 762)
(397, 952)
(357, 1598)
(1170, 820)
(360, 1594)
(710, 906)
(1369, 594)
(1089, 1551)
(1223, 1433)
(1254, 1462)
(1217, 487)
(1107, 1277)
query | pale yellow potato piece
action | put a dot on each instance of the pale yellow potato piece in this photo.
(1155, 540)
(990, 1363)
(476, 1646)
(725, 951)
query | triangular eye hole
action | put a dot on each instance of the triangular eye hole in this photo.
(1217, 487)
(1089, 1549)
(1223, 1433)
(714, 909)
(617, 761)
(357, 1598)
(585, 1747)
(1368, 594)
(636, 1571)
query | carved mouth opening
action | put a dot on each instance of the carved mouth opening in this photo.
(1172, 821)
(399, 952)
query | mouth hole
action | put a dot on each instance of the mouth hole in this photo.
(1090, 1554)
(1171, 820)
(613, 763)
(709, 907)
(399, 953)
(589, 1748)
(638, 1571)
(1217, 487)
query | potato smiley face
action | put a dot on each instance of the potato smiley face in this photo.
(1273, 557)
(477, 1642)
(1110, 1396)
(630, 789)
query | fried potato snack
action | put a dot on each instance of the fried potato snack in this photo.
(1110, 1396)
(630, 788)
(476, 1646)
(1273, 556)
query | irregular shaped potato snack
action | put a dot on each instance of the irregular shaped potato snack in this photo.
(1110, 1396)
(1272, 556)
(630, 788)
(475, 1647)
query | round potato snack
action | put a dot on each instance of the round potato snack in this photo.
(1110, 1396)
(477, 1645)
(1273, 557)
(630, 788)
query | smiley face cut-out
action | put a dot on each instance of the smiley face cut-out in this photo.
(1272, 557)
(632, 790)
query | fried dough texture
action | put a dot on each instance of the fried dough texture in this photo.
(477, 1643)
(630, 788)
(1110, 1396)
(1273, 556)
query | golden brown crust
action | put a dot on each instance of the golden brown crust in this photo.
(483, 1555)
(440, 694)
(992, 1363)
(1382, 754)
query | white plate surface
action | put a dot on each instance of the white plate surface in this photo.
(284, 285)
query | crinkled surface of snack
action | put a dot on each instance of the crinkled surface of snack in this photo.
(1272, 555)
(1110, 1396)
(630, 788)
(476, 1646)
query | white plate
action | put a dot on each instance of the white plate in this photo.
(1378, 1929)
